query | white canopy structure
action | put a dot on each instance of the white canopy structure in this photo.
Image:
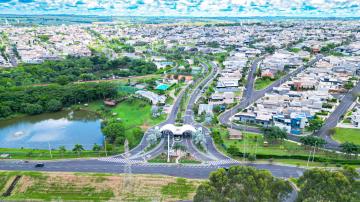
(178, 130)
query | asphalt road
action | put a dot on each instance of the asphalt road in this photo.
(252, 95)
(188, 171)
(335, 117)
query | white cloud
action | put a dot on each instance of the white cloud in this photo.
(185, 7)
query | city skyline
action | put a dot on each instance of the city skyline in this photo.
(191, 8)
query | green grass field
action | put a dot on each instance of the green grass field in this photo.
(42, 154)
(51, 186)
(261, 83)
(254, 144)
(347, 135)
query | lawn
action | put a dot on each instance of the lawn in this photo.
(254, 143)
(347, 135)
(133, 112)
(42, 154)
(281, 152)
(98, 187)
(262, 83)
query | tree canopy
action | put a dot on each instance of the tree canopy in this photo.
(274, 133)
(74, 69)
(50, 98)
(325, 185)
(241, 183)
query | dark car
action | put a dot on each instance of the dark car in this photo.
(39, 165)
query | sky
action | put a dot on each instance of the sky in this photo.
(203, 8)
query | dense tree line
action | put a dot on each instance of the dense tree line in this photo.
(240, 183)
(74, 69)
(38, 99)
(324, 185)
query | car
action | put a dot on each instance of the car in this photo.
(39, 165)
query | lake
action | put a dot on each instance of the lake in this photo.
(65, 128)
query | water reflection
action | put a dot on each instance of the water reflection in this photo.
(65, 128)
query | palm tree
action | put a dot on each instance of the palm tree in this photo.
(78, 148)
(96, 148)
(62, 150)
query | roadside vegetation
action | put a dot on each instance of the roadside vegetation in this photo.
(96, 187)
(273, 147)
(239, 183)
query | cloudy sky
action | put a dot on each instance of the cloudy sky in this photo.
(338, 8)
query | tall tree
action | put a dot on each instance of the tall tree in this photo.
(96, 148)
(325, 185)
(62, 150)
(78, 148)
(274, 134)
(241, 183)
(350, 148)
(315, 124)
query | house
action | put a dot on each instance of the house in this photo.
(207, 108)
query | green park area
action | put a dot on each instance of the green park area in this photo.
(36, 186)
(257, 148)
(262, 83)
(343, 135)
(135, 117)
(132, 112)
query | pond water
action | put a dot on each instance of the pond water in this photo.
(65, 128)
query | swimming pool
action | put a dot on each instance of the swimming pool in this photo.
(162, 87)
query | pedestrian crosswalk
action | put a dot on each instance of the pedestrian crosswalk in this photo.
(146, 164)
(121, 160)
(222, 162)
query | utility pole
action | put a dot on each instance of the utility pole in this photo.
(314, 152)
(105, 146)
(256, 146)
(168, 153)
(50, 150)
(244, 146)
(307, 165)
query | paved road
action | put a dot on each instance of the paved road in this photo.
(189, 114)
(335, 117)
(188, 171)
(251, 95)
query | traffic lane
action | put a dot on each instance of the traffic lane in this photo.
(187, 171)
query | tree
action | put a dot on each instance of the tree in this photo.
(114, 131)
(96, 148)
(33, 109)
(270, 49)
(4, 111)
(312, 141)
(242, 183)
(325, 185)
(350, 148)
(54, 105)
(78, 148)
(349, 85)
(274, 134)
(63, 80)
(62, 150)
(315, 124)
